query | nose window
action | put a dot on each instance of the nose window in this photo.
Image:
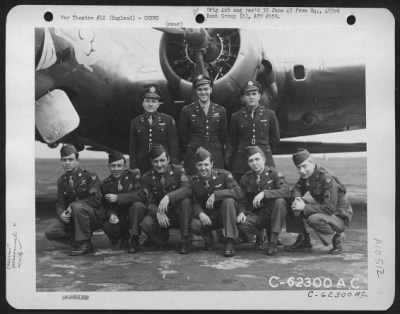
(299, 72)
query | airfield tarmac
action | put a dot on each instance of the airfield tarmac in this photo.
(113, 269)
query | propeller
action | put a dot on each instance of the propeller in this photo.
(199, 45)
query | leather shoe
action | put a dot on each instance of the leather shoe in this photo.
(302, 242)
(337, 243)
(134, 245)
(230, 248)
(83, 248)
(272, 248)
(185, 248)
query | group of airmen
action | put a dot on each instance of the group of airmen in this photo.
(156, 191)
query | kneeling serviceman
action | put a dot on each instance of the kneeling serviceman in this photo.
(331, 213)
(215, 201)
(79, 210)
(124, 203)
(168, 200)
(265, 190)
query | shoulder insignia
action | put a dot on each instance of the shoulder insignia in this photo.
(94, 177)
(279, 174)
(229, 175)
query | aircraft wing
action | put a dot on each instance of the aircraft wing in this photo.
(289, 147)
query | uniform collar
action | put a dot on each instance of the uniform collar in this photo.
(213, 176)
(169, 171)
(315, 174)
(77, 171)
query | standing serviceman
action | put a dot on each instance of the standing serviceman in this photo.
(252, 125)
(123, 201)
(150, 128)
(216, 197)
(168, 200)
(265, 190)
(203, 123)
(79, 210)
(331, 213)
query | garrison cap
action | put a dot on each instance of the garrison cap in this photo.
(67, 150)
(201, 154)
(251, 150)
(115, 156)
(201, 80)
(151, 91)
(157, 150)
(251, 86)
(300, 156)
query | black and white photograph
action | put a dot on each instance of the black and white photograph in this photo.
(219, 155)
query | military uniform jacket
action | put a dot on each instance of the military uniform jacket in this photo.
(127, 187)
(143, 135)
(328, 192)
(262, 130)
(270, 181)
(198, 129)
(221, 183)
(79, 186)
(176, 186)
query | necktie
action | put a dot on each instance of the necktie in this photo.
(150, 119)
(252, 114)
(258, 179)
(71, 182)
(119, 186)
(206, 184)
(162, 180)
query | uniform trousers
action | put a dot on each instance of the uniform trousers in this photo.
(129, 220)
(81, 226)
(223, 215)
(325, 226)
(179, 214)
(270, 216)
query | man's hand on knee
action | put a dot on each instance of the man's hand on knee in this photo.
(204, 219)
(66, 215)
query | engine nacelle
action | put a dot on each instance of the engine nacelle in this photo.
(233, 56)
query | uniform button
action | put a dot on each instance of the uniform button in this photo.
(207, 126)
(150, 130)
(150, 140)
(254, 130)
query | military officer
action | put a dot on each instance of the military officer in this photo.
(215, 201)
(123, 200)
(265, 190)
(331, 213)
(151, 128)
(78, 207)
(168, 200)
(252, 125)
(203, 123)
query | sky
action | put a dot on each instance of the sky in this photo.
(281, 46)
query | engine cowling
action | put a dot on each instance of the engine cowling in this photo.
(232, 57)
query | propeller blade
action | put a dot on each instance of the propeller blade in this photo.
(200, 67)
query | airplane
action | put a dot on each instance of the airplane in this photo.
(88, 84)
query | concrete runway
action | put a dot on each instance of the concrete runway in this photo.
(113, 269)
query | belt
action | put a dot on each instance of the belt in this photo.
(253, 141)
